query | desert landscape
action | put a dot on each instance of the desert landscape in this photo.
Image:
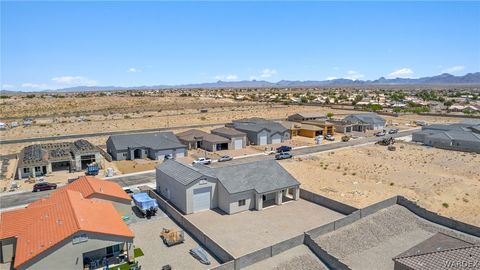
(447, 182)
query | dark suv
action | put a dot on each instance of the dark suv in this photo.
(284, 148)
(44, 186)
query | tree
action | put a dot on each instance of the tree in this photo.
(303, 99)
(330, 115)
(448, 103)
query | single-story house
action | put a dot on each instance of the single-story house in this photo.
(293, 127)
(300, 117)
(326, 128)
(41, 159)
(238, 139)
(261, 131)
(366, 121)
(461, 137)
(155, 145)
(195, 138)
(64, 231)
(98, 189)
(232, 188)
(341, 126)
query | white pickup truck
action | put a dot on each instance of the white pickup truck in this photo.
(204, 161)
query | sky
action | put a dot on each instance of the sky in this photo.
(51, 45)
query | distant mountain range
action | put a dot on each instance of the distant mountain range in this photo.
(442, 79)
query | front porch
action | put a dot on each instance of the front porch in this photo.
(276, 198)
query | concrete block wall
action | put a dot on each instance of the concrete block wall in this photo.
(326, 202)
(254, 257)
(327, 259)
(436, 218)
(287, 244)
(371, 209)
(225, 266)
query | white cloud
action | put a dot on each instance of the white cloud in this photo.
(267, 73)
(354, 75)
(264, 74)
(331, 78)
(8, 86)
(401, 73)
(133, 70)
(34, 85)
(453, 69)
(229, 77)
(74, 80)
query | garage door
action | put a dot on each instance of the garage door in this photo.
(238, 144)
(277, 138)
(263, 139)
(179, 154)
(201, 199)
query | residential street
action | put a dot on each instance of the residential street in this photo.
(18, 199)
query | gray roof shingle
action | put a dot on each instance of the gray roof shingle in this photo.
(190, 135)
(257, 124)
(370, 118)
(155, 140)
(182, 173)
(261, 176)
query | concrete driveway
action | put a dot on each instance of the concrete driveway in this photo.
(248, 231)
(157, 254)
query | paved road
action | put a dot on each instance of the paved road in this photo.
(316, 149)
(12, 200)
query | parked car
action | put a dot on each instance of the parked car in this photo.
(224, 158)
(379, 134)
(329, 137)
(284, 148)
(169, 156)
(393, 131)
(283, 155)
(44, 186)
(204, 161)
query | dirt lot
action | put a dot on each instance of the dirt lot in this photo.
(248, 231)
(447, 182)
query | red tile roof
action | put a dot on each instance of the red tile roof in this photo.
(47, 222)
(90, 186)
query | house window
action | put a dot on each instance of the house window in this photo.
(80, 238)
(113, 249)
(124, 154)
(38, 169)
(241, 202)
(26, 170)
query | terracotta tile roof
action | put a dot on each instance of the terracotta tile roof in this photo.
(47, 222)
(89, 186)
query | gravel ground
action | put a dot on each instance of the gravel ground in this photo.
(378, 238)
(304, 262)
(298, 258)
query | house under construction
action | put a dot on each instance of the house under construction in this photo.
(41, 159)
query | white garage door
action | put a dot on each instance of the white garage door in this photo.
(179, 154)
(238, 144)
(201, 199)
(277, 138)
(263, 139)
